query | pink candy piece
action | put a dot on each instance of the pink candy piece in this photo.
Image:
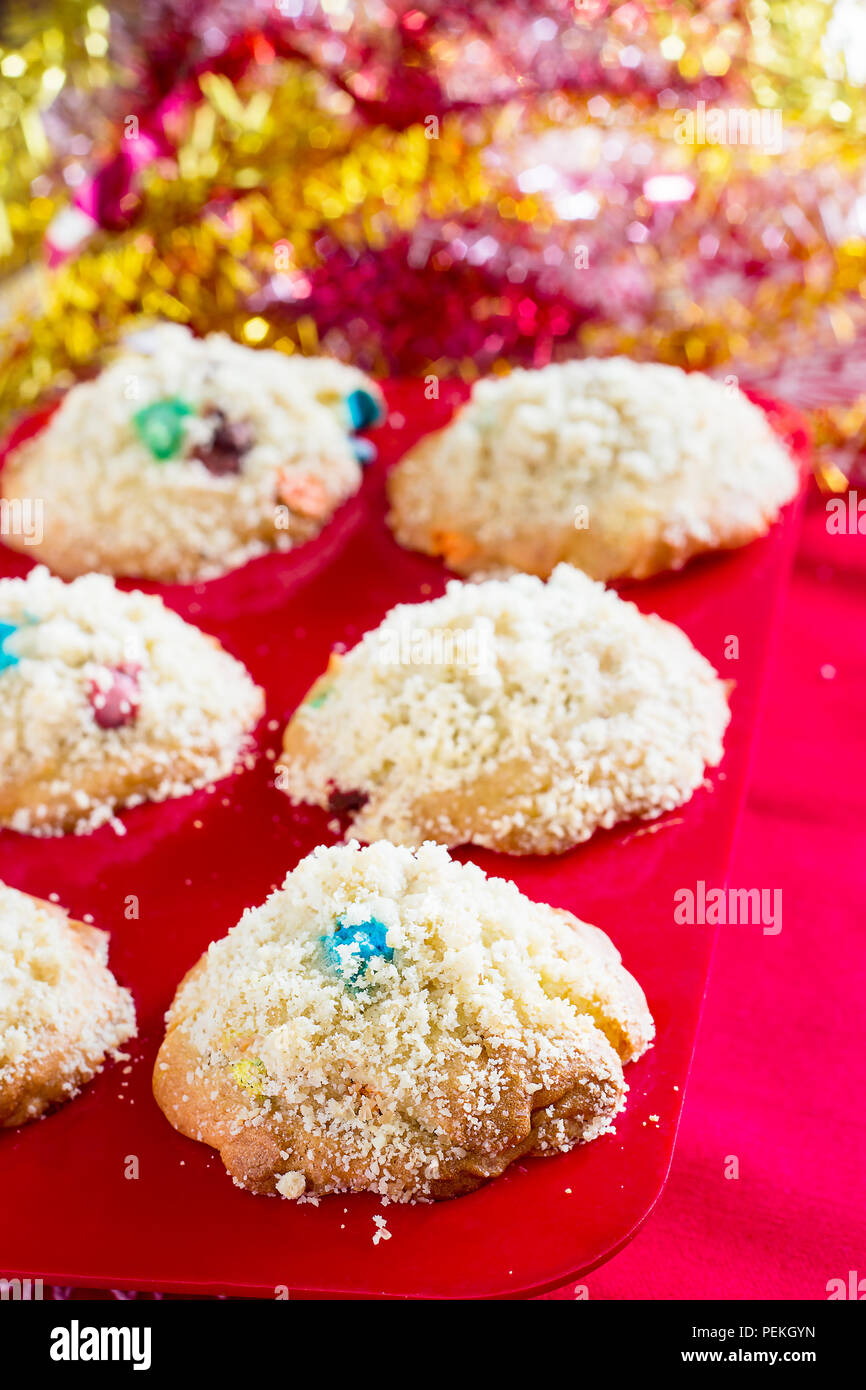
(115, 696)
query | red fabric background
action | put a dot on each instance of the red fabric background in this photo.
(779, 1074)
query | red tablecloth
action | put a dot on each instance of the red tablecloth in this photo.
(779, 1075)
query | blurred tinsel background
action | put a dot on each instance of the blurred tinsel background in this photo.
(446, 187)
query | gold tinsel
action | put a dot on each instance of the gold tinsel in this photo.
(264, 169)
(314, 169)
(47, 51)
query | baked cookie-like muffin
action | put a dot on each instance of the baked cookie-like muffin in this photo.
(511, 713)
(396, 1022)
(186, 457)
(621, 468)
(61, 1010)
(108, 699)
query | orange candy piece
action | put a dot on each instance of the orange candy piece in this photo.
(303, 493)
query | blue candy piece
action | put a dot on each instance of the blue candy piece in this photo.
(365, 451)
(368, 942)
(364, 410)
(7, 659)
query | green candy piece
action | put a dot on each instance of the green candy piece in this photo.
(160, 426)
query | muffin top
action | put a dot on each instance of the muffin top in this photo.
(94, 678)
(509, 711)
(61, 1011)
(171, 462)
(621, 467)
(402, 1008)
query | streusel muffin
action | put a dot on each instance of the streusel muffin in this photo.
(108, 699)
(512, 713)
(621, 468)
(61, 1010)
(188, 456)
(396, 1022)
